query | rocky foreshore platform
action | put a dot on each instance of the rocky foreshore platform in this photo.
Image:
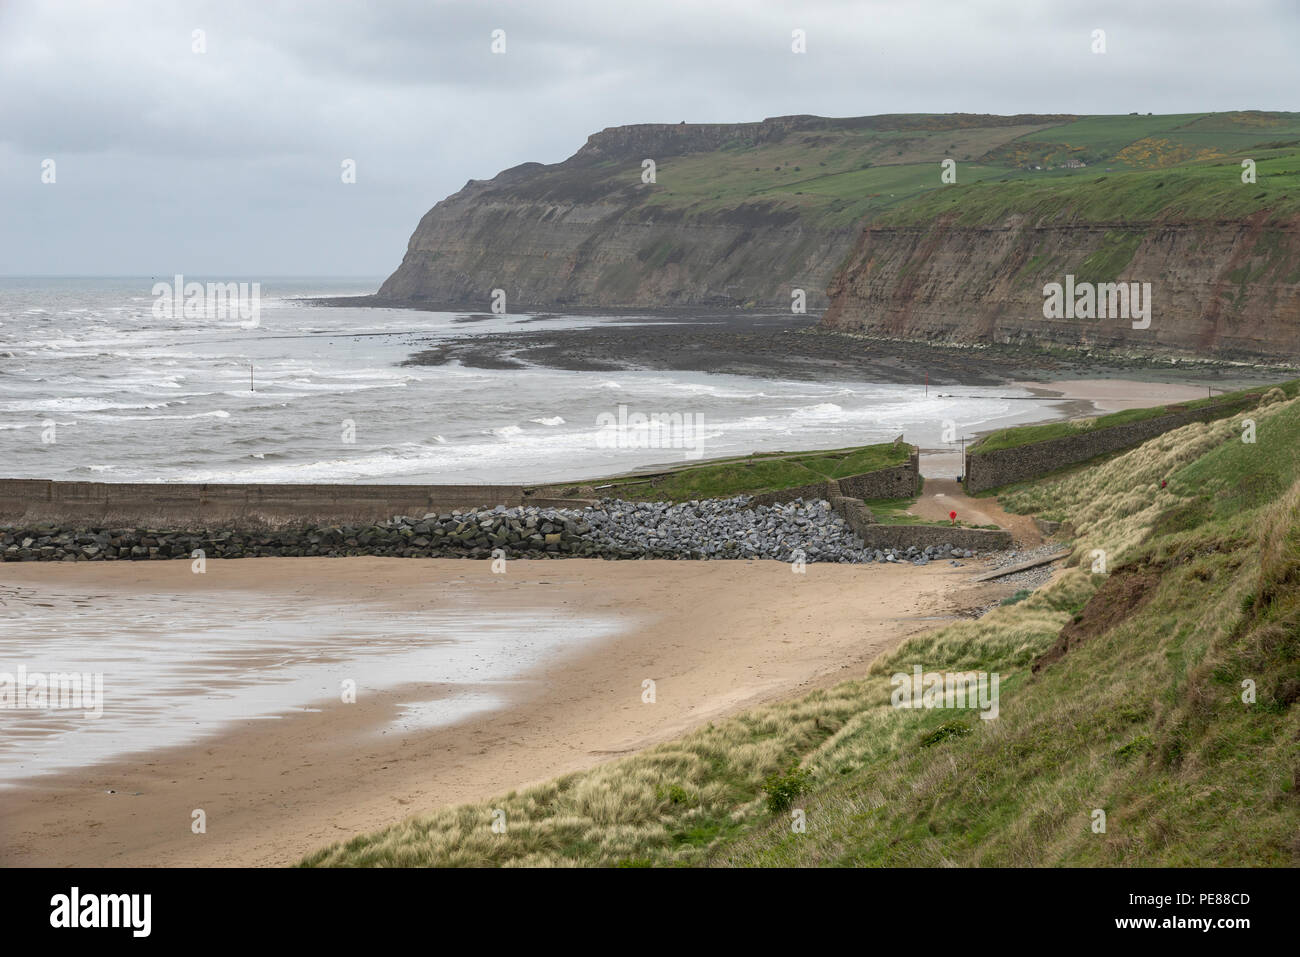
(808, 531)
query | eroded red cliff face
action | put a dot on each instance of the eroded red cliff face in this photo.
(1223, 289)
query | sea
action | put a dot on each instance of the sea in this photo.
(109, 379)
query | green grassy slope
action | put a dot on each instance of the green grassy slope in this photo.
(1197, 190)
(756, 474)
(1028, 434)
(887, 169)
(1136, 710)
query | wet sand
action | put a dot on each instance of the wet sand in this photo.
(1115, 395)
(716, 637)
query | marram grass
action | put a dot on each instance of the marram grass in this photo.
(1143, 719)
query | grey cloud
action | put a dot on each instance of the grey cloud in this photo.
(230, 160)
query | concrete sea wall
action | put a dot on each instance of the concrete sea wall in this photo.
(209, 504)
(103, 521)
(144, 503)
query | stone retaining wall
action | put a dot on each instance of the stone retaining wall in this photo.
(903, 536)
(818, 490)
(896, 481)
(899, 481)
(985, 470)
(875, 535)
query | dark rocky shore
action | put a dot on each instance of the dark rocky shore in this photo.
(767, 346)
(711, 529)
(792, 347)
(777, 345)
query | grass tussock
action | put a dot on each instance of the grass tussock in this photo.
(1176, 718)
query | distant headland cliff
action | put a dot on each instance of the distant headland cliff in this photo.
(926, 227)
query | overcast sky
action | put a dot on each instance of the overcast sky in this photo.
(227, 162)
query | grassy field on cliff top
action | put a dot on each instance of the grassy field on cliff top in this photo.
(1185, 166)
(1139, 709)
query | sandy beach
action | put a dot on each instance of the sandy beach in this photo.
(1115, 395)
(714, 637)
